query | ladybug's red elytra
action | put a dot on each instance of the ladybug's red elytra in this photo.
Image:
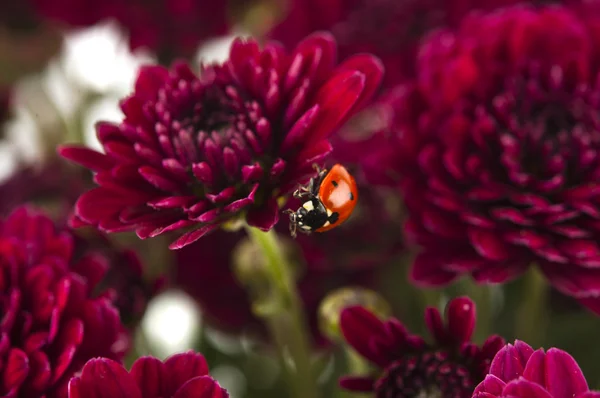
(329, 200)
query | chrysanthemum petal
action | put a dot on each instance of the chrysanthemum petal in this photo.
(150, 376)
(192, 236)
(557, 371)
(201, 387)
(103, 378)
(265, 217)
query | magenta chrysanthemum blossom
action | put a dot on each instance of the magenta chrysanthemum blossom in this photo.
(495, 145)
(180, 376)
(450, 367)
(51, 324)
(390, 29)
(195, 151)
(519, 372)
(120, 276)
(167, 27)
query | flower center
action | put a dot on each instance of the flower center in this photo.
(431, 375)
(211, 127)
(547, 126)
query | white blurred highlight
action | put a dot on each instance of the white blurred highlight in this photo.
(98, 58)
(171, 324)
(105, 109)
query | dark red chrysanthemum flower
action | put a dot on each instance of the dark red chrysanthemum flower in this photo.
(390, 29)
(167, 27)
(51, 324)
(519, 372)
(180, 376)
(197, 151)
(450, 367)
(56, 186)
(496, 149)
(355, 255)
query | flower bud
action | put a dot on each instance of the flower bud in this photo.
(332, 306)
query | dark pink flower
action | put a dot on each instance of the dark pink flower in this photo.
(57, 185)
(390, 29)
(180, 376)
(168, 27)
(51, 323)
(519, 372)
(195, 151)
(495, 145)
(450, 367)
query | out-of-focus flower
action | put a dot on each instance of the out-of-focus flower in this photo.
(519, 372)
(450, 367)
(180, 376)
(51, 323)
(170, 28)
(204, 270)
(197, 151)
(55, 186)
(390, 29)
(495, 145)
(123, 282)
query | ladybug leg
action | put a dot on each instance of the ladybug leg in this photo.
(293, 221)
(315, 183)
(302, 192)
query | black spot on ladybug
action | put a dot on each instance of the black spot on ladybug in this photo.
(335, 184)
(334, 217)
(351, 196)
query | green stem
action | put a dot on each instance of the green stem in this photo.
(286, 320)
(531, 317)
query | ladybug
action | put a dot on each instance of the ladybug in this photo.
(329, 200)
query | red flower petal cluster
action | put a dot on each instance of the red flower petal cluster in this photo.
(495, 144)
(51, 323)
(449, 368)
(196, 151)
(519, 372)
(57, 185)
(180, 376)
